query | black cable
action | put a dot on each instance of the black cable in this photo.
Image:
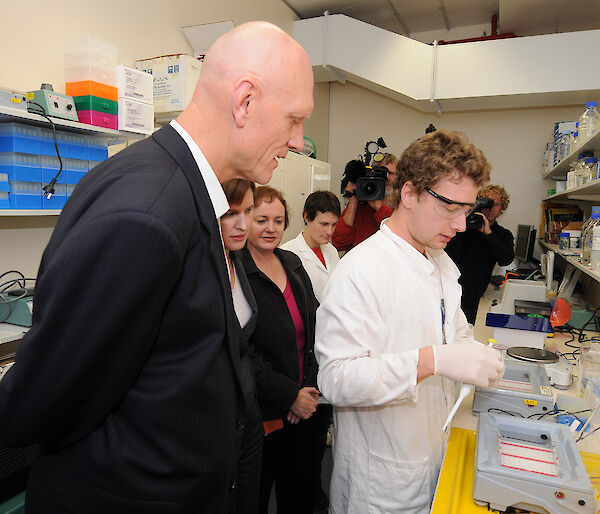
(49, 188)
(502, 411)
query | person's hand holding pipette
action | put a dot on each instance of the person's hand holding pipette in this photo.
(469, 363)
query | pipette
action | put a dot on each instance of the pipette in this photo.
(464, 392)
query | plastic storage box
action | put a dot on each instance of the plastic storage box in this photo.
(25, 195)
(100, 119)
(95, 103)
(21, 167)
(89, 58)
(16, 137)
(90, 87)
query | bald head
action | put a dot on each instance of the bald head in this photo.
(254, 92)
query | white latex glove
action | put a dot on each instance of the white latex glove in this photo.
(470, 363)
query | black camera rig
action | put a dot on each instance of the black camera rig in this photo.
(370, 180)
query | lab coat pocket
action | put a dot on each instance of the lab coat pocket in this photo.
(398, 486)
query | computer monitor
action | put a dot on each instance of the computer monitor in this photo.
(524, 243)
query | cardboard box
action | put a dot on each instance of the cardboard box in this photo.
(175, 77)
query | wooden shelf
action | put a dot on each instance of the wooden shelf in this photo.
(575, 261)
(559, 172)
(8, 114)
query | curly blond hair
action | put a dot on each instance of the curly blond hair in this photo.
(436, 155)
(499, 191)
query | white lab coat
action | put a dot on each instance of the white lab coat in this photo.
(314, 267)
(380, 306)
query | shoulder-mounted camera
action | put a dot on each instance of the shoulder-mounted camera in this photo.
(370, 180)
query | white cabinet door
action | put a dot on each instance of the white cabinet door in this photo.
(296, 177)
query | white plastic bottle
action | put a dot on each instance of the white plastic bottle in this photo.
(589, 123)
(587, 236)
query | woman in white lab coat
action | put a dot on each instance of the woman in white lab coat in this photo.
(313, 245)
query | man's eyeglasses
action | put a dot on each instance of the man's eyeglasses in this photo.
(451, 208)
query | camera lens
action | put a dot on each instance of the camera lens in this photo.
(369, 189)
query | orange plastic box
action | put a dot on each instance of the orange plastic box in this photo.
(89, 87)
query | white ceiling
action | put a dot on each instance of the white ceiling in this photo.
(408, 17)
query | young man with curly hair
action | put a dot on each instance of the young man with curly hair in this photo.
(392, 341)
(477, 250)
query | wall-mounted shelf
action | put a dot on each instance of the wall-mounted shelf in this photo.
(29, 212)
(589, 192)
(7, 114)
(574, 261)
(559, 172)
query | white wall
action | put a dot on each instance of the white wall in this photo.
(513, 140)
(32, 41)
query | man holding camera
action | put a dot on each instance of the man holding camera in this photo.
(389, 353)
(477, 250)
(360, 220)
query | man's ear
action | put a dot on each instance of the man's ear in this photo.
(244, 93)
(408, 195)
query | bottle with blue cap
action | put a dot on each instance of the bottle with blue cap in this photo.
(589, 123)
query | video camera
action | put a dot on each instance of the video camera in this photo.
(474, 220)
(370, 180)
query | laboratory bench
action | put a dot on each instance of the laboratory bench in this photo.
(454, 494)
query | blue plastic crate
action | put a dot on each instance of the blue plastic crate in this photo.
(4, 202)
(47, 142)
(17, 137)
(57, 201)
(22, 201)
(77, 146)
(50, 167)
(97, 153)
(21, 166)
(73, 177)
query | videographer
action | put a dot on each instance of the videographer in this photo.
(360, 220)
(477, 250)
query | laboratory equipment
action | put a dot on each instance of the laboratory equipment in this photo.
(523, 390)
(531, 465)
(515, 289)
(54, 104)
(13, 99)
(514, 330)
(16, 307)
(528, 354)
(560, 373)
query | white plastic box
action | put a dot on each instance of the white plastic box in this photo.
(175, 78)
(136, 116)
(134, 84)
(89, 58)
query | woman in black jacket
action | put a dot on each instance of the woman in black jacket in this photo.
(284, 361)
(234, 230)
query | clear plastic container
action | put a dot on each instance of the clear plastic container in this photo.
(589, 123)
(587, 235)
(588, 365)
(595, 257)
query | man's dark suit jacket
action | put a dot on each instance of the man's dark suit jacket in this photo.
(129, 377)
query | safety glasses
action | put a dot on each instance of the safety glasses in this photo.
(449, 208)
